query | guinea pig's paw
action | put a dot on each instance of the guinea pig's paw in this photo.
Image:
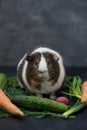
(52, 96)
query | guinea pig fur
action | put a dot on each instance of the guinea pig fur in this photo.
(41, 71)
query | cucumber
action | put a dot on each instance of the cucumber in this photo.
(3, 80)
(39, 104)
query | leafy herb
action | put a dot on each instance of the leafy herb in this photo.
(74, 90)
(13, 82)
(74, 86)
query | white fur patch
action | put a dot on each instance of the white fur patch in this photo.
(42, 64)
(24, 75)
(18, 66)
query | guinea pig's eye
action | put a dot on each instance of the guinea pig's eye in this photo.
(49, 62)
(35, 63)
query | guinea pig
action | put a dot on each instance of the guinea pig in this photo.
(42, 71)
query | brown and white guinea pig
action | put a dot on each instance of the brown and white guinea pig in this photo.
(41, 71)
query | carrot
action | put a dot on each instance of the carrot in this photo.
(84, 92)
(6, 103)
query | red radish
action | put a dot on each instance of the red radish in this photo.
(62, 99)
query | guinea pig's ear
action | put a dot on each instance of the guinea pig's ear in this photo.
(56, 58)
(28, 57)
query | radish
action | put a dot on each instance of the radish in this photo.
(62, 99)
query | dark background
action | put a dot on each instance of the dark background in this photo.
(58, 24)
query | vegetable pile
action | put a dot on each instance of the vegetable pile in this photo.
(16, 101)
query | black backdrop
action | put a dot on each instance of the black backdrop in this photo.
(59, 24)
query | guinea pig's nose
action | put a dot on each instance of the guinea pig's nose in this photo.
(42, 72)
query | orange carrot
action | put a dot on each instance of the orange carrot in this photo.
(6, 103)
(84, 92)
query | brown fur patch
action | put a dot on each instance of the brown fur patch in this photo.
(32, 70)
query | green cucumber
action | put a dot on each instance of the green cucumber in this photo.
(3, 80)
(39, 104)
